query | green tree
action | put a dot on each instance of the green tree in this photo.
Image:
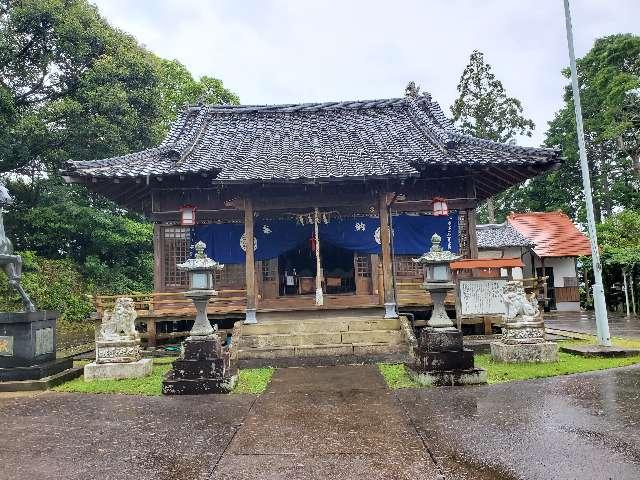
(111, 247)
(619, 238)
(74, 88)
(177, 87)
(484, 110)
(609, 78)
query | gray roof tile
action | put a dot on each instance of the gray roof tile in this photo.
(375, 138)
(500, 236)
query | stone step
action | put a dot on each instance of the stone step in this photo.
(390, 337)
(341, 324)
(330, 350)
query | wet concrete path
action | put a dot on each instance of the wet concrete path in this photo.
(326, 423)
(584, 426)
(585, 322)
(333, 422)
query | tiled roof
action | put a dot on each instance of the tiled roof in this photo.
(553, 233)
(500, 236)
(377, 138)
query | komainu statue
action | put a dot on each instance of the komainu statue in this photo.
(119, 324)
(10, 263)
(117, 340)
(522, 320)
(518, 303)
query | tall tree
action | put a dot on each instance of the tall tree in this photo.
(609, 78)
(177, 87)
(484, 110)
(74, 88)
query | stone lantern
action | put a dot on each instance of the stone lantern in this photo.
(204, 365)
(200, 270)
(438, 281)
(440, 357)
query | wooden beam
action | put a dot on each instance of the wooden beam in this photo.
(310, 201)
(250, 276)
(387, 270)
(427, 205)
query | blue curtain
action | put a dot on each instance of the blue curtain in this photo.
(411, 236)
(273, 238)
(411, 233)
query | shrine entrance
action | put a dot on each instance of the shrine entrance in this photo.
(297, 270)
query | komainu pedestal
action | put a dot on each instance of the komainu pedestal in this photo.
(118, 352)
(203, 367)
(523, 336)
(440, 359)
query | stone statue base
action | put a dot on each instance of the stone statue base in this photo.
(28, 346)
(440, 359)
(525, 331)
(118, 371)
(524, 341)
(539, 352)
(202, 368)
(117, 351)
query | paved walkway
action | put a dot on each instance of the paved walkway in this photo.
(584, 322)
(334, 422)
(581, 426)
(327, 423)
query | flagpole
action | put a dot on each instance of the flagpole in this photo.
(599, 302)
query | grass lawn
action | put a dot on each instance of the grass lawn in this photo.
(253, 380)
(396, 376)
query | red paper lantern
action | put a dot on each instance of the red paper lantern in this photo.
(440, 207)
(187, 215)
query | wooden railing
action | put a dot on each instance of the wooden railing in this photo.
(171, 304)
(411, 293)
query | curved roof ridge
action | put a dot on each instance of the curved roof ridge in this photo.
(299, 107)
(483, 142)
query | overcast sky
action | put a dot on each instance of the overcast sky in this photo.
(291, 51)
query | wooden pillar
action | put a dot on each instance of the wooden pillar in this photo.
(473, 239)
(471, 216)
(319, 275)
(151, 333)
(387, 268)
(250, 275)
(158, 273)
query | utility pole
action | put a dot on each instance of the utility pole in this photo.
(599, 302)
(626, 291)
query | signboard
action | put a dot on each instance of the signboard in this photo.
(44, 341)
(6, 346)
(482, 296)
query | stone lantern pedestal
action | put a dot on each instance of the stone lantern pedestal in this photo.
(204, 365)
(523, 336)
(440, 358)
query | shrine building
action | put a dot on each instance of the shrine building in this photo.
(337, 198)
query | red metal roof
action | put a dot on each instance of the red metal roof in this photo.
(486, 263)
(553, 233)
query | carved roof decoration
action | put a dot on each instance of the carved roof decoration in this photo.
(373, 139)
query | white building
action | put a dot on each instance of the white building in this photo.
(548, 244)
